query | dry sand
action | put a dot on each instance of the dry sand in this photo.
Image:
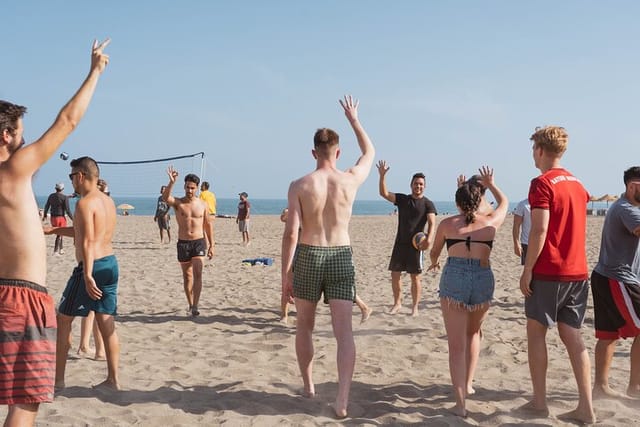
(235, 364)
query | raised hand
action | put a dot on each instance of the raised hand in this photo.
(173, 174)
(383, 167)
(350, 106)
(99, 59)
(461, 180)
(486, 176)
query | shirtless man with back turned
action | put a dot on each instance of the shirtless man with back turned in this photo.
(27, 313)
(320, 206)
(93, 285)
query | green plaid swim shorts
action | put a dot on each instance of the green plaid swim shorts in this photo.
(324, 270)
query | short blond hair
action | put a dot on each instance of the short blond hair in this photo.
(552, 139)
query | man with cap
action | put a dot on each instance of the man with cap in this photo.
(244, 208)
(59, 204)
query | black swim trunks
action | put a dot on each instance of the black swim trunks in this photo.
(188, 249)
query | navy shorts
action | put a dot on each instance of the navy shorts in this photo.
(464, 281)
(75, 299)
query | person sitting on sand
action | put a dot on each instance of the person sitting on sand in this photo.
(467, 283)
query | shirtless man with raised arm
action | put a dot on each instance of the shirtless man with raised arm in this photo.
(195, 235)
(93, 285)
(27, 312)
(320, 206)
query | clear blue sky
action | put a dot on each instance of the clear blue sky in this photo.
(444, 86)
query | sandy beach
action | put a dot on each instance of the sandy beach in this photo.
(235, 364)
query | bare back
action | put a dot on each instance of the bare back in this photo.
(190, 215)
(22, 242)
(325, 198)
(94, 222)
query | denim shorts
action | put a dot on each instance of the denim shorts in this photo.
(465, 282)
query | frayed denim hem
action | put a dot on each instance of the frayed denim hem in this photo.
(474, 307)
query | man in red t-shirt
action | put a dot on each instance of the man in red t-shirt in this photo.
(555, 276)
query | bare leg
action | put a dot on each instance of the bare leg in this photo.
(537, 352)
(474, 327)
(396, 287)
(168, 236)
(306, 314)
(346, 357)
(364, 309)
(581, 365)
(604, 358)
(21, 415)
(197, 263)
(634, 374)
(86, 325)
(455, 323)
(107, 326)
(416, 292)
(187, 281)
(98, 342)
(63, 344)
(284, 310)
(161, 236)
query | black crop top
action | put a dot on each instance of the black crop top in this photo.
(468, 241)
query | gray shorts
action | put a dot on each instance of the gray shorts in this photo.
(243, 225)
(553, 302)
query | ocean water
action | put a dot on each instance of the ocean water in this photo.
(147, 206)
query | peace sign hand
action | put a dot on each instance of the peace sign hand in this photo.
(99, 59)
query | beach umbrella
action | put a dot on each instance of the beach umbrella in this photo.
(608, 198)
(125, 207)
(593, 199)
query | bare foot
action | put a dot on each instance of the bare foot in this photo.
(309, 394)
(580, 416)
(633, 392)
(605, 392)
(470, 391)
(84, 353)
(530, 407)
(284, 320)
(395, 309)
(100, 357)
(58, 386)
(460, 412)
(108, 385)
(414, 312)
(366, 313)
(341, 413)
(194, 311)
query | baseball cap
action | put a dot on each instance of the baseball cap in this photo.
(59, 186)
(243, 194)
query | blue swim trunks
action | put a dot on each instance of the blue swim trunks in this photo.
(75, 300)
(466, 282)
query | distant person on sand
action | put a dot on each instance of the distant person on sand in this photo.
(93, 285)
(195, 235)
(59, 205)
(521, 229)
(414, 212)
(285, 299)
(244, 213)
(554, 279)
(467, 283)
(23, 264)
(317, 230)
(162, 216)
(615, 283)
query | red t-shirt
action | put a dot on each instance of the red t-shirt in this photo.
(563, 257)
